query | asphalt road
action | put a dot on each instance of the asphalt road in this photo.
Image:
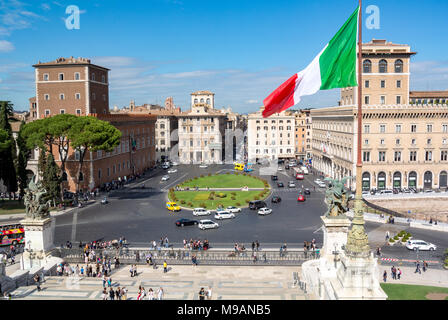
(140, 216)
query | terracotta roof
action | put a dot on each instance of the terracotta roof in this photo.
(203, 92)
(428, 94)
(67, 62)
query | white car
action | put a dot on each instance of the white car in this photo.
(280, 169)
(291, 184)
(174, 163)
(317, 181)
(420, 245)
(207, 224)
(305, 170)
(220, 215)
(172, 171)
(165, 178)
(203, 166)
(264, 211)
(233, 209)
(322, 185)
(201, 212)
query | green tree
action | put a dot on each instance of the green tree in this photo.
(51, 180)
(22, 160)
(5, 142)
(91, 134)
(42, 163)
(8, 154)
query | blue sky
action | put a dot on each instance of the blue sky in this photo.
(239, 49)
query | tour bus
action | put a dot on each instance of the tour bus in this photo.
(11, 234)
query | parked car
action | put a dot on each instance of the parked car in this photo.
(301, 198)
(307, 191)
(276, 199)
(420, 245)
(387, 192)
(264, 211)
(165, 178)
(186, 222)
(233, 209)
(274, 178)
(207, 224)
(224, 215)
(256, 204)
(291, 184)
(201, 212)
(365, 192)
(172, 171)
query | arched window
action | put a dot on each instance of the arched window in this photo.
(427, 180)
(399, 66)
(208, 100)
(412, 181)
(383, 66)
(367, 66)
(397, 180)
(202, 100)
(365, 181)
(381, 181)
(195, 101)
(443, 179)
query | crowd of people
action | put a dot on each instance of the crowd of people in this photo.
(196, 244)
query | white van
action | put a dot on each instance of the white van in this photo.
(304, 170)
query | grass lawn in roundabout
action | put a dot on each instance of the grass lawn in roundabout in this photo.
(224, 198)
(414, 292)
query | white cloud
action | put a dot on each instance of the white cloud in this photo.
(45, 6)
(251, 101)
(429, 75)
(14, 17)
(6, 46)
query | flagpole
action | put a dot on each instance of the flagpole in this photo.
(359, 142)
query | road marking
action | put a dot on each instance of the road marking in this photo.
(167, 187)
(74, 223)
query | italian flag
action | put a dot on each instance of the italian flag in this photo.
(334, 67)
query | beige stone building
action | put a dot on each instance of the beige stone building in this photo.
(303, 134)
(271, 138)
(201, 131)
(405, 133)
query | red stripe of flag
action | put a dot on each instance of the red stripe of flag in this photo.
(281, 99)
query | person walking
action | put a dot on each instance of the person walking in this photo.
(194, 260)
(124, 293)
(165, 267)
(387, 235)
(104, 281)
(111, 294)
(399, 274)
(385, 276)
(202, 294)
(150, 294)
(209, 293)
(417, 269)
(105, 295)
(257, 244)
(425, 266)
(160, 293)
(37, 281)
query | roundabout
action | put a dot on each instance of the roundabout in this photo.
(219, 190)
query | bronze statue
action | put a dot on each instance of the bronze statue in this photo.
(35, 206)
(336, 197)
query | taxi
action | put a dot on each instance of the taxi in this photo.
(172, 206)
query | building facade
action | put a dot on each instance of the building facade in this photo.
(271, 138)
(76, 86)
(303, 135)
(405, 133)
(201, 131)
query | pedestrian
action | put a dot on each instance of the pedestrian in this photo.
(202, 294)
(160, 293)
(417, 269)
(255, 257)
(393, 272)
(124, 293)
(209, 293)
(399, 274)
(135, 270)
(165, 267)
(105, 295)
(387, 235)
(194, 260)
(150, 294)
(104, 281)
(111, 294)
(37, 281)
(131, 270)
(385, 276)
(118, 293)
(109, 282)
(257, 244)
(425, 266)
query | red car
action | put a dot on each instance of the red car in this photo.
(301, 198)
(300, 176)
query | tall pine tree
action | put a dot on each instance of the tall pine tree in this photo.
(8, 155)
(51, 180)
(22, 161)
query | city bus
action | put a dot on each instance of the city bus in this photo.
(12, 234)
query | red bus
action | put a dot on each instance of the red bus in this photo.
(12, 234)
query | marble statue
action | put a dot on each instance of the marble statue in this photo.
(35, 206)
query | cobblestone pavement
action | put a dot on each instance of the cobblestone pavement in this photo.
(179, 283)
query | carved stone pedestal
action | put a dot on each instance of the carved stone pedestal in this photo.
(38, 242)
(335, 236)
